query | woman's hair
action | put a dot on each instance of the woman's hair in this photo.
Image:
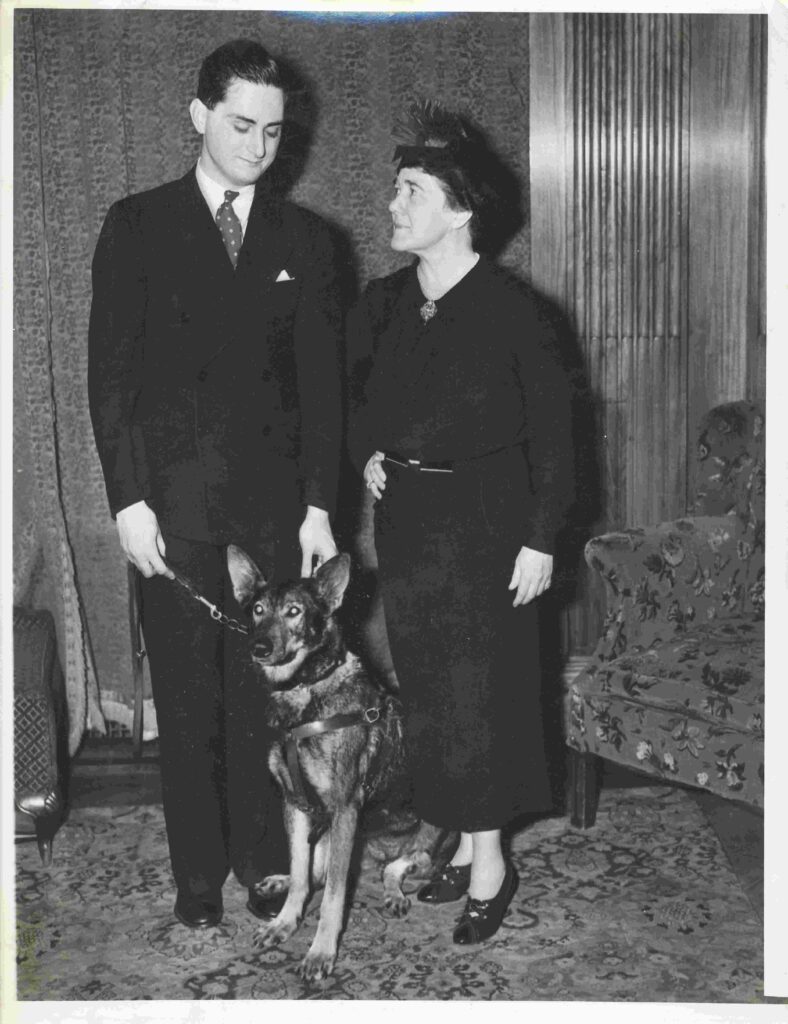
(239, 58)
(447, 146)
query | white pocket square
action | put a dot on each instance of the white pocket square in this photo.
(284, 276)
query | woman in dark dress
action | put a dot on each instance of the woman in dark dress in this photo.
(463, 434)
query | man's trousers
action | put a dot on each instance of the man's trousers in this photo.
(221, 805)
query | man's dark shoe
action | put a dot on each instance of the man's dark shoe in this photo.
(481, 919)
(199, 911)
(450, 884)
(265, 906)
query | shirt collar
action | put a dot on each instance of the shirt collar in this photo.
(214, 196)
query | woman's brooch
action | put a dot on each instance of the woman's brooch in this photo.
(428, 310)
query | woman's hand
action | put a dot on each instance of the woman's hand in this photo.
(374, 476)
(533, 571)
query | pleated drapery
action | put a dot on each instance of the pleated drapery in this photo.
(647, 227)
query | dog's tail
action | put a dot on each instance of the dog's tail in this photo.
(387, 766)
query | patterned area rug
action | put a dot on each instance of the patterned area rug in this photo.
(643, 907)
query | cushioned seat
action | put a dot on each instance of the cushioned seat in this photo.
(713, 672)
(692, 707)
(675, 686)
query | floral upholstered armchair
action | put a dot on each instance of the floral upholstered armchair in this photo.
(675, 686)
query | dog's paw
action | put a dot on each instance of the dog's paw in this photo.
(274, 933)
(317, 965)
(397, 904)
(273, 885)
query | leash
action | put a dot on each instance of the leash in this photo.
(216, 614)
(138, 654)
(293, 737)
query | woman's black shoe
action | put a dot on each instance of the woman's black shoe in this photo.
(450, 884)
(481, 919)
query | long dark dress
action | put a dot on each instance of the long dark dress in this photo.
(481, 383)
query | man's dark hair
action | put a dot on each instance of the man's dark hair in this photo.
(239, 58)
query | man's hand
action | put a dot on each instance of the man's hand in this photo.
(316, 539)
(141, 539)
(533, 571)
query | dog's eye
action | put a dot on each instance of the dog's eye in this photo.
(258, 609)
(292, 611)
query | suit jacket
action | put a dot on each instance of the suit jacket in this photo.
(211, 388)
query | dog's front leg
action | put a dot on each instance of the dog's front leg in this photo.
(272, 933)
(319, 961)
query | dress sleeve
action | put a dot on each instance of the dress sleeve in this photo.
(362, 329)
(318, 344)
(544, 380)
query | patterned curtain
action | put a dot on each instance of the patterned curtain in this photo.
(101, 110)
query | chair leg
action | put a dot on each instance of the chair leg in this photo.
(44, 835)
(584, 786)
(46, 810)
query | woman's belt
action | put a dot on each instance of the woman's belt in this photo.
(446, 466)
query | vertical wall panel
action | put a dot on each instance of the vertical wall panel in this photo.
(646, 197)
(726, 327)
(551, 154)
(628, 216)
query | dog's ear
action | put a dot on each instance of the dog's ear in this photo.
(332, 579)
(245, 576)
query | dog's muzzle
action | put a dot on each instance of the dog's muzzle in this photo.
(262, 649)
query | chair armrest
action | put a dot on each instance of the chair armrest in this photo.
(35, 651)
(674, 573)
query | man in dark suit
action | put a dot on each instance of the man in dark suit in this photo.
(214, 386)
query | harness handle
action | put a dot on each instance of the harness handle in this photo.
(318, 728)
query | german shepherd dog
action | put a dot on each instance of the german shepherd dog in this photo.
(339, 745)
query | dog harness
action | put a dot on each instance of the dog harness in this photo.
(292, 737)
(385, 767)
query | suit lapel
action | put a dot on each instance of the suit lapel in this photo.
(266, 246)
(203, 250)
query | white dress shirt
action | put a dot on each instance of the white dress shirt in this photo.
(214, 197)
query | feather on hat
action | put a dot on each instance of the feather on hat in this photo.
(430, 132)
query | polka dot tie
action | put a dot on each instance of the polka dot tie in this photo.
(229, 226)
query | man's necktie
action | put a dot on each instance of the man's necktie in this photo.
(229, 226)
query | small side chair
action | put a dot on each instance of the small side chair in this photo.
(39, 729)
